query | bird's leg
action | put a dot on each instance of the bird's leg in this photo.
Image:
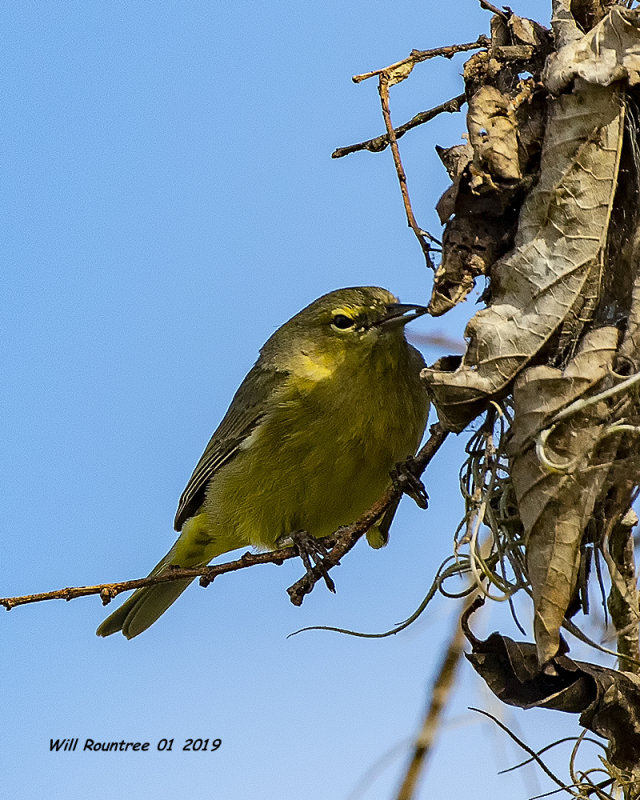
(405, 479)
(312, 551)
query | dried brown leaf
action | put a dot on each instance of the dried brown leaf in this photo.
(555, 506)
(563, 24)
(493, 134)
(561, 234)
(609, 52)
(455, 159)
(524, 30)
(471, 243)
(607, 700)
(399, 73)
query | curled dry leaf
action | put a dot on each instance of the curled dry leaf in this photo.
(474, 232)
(471, 244)
(524, 30)
(399, 73)
(609, 52)
(480, 208)
(607, 700)
(506, 124)
(563, 23)
(467, 248)
(455, 159)
(555, 506)
(561, 234)
(492, 125)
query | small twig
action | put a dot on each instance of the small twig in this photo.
(108, 591)
(490, 7)
(342, 542)
(422, 55)
(380, 143)
(383, 90)
(387, 76)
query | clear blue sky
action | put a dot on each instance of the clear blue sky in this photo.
(169, 200)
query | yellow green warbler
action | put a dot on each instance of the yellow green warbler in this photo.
(332, 404)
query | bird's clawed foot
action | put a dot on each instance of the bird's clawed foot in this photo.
(312, 551)
(405, 478)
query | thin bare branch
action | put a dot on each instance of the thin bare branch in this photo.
(380, 143)
(342, 541)
(423, 55)
(442, 687)
(421, 236)
(494, 10)
(108, 591)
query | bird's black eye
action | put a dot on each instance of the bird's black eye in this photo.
(342, 322)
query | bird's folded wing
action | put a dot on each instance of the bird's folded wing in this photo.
(247, 409)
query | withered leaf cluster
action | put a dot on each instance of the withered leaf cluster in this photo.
(544, 203)
(608, 701)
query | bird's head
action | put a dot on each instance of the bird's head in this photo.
(343, 326)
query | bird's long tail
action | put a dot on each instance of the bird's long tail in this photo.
(147, 604)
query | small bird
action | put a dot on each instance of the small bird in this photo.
(332, 404)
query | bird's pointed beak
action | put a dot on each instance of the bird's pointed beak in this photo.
(400, 313)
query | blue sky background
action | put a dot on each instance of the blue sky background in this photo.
(169, 200)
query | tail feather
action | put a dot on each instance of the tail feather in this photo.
(143, 608)
(145, 605)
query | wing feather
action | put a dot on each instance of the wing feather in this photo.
(247, 409)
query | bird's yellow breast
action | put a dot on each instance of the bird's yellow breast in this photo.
(322, 455)
(313, 368)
